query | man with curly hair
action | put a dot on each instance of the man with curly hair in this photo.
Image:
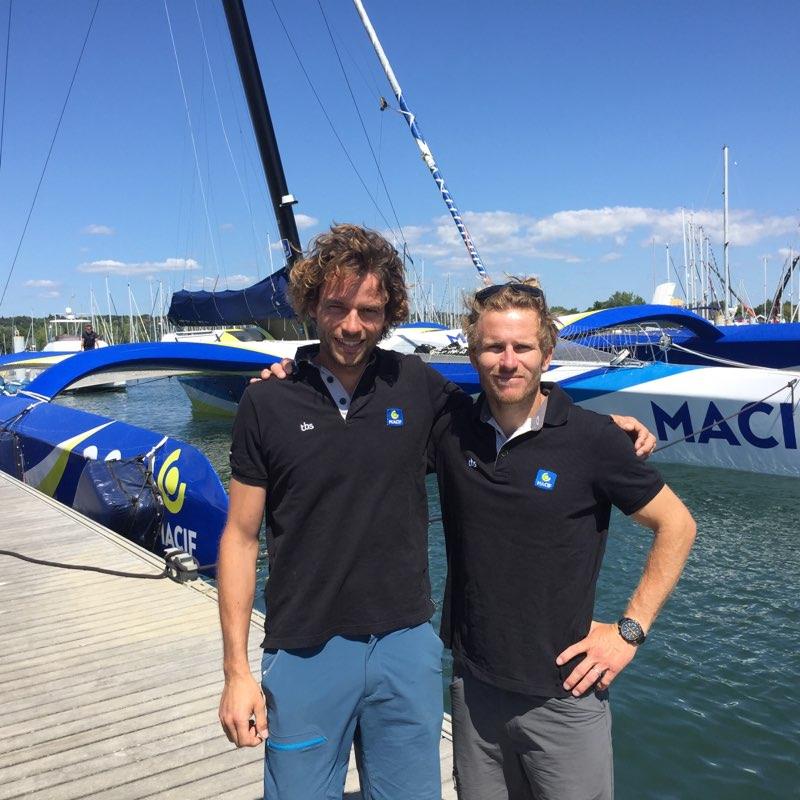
(337, 454)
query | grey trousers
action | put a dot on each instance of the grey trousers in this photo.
(509, 746)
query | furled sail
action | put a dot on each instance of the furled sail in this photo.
(254, 304)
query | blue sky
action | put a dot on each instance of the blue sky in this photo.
(571, 135)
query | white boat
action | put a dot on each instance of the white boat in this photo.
(64, 340)
(64, 334)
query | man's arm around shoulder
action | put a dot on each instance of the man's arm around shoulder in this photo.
(606, 652)
(242, 710)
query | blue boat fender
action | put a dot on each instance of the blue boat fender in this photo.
(123, 496)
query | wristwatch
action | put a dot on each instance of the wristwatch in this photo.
(631, 631)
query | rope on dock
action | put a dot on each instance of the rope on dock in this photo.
(173, 568)
(85, 567)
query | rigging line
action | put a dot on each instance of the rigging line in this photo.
(719, 277)
(422, 145)
(212, 204)
(374, 88)
(330, 122)
(718, 359)
(192, 136)
(380, 143)
(156, 298)
(181, 190)
(5, 82)
(716, 175)
(712, 264)
(262, 200)
(790, 385)
(49, 152)
(677, 275)
(225, 133)
(190, 230)
(361, 120)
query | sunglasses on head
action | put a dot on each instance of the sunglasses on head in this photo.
(523, 288)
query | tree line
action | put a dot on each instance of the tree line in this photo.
(613, 301)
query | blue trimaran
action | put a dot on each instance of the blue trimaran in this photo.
(163, 492)
(679, 336)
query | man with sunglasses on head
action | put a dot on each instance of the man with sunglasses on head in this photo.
(527, 480)
(338, 453)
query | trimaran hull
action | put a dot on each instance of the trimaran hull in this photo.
(678, 336)
(709, 416)
(59, 450)
(53, 448)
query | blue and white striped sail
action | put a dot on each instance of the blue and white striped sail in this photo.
(424, 150)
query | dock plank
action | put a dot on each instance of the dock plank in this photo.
(110, 685)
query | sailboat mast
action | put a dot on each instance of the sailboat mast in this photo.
(727, 269)
(427, 156)
(668, 274)
(110, 325)
(282, 200)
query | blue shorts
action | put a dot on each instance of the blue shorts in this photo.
(383, 692)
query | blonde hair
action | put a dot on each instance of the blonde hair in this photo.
(507, 296)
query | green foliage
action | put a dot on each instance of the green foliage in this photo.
(786, 310)
(22, 325)
(617, 299)
(560, 311)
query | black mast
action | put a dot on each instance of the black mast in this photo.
(282, 200)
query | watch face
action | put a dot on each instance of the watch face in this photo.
(630, 630)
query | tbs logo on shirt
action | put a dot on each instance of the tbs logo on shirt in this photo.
(545, 479)
(394, 417)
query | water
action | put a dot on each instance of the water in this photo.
(709, 708)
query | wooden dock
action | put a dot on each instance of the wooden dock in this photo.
(109, 685)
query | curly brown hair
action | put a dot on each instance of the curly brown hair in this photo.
(504, 298)
(349, 250)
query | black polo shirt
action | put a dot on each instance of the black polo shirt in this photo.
(346, 508)
(526, 530)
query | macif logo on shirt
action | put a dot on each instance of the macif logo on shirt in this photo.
(545, 479)
(394, 417)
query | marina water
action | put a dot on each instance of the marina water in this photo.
(710, 707)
